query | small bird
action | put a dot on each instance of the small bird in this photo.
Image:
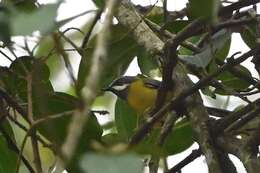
(139, 91)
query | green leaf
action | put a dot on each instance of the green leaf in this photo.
(208, 92)
(54, 61)
(127, 163)
(222, 53)
(204, 58)
(179, 139)
(148, 64)
(121, 51)
(126, 119)
(42, 19)
(55, 130)
(156, 15)
(40, 77)
(5, 30)
(99, 3)
(26, 6)
(8, 157)
(7, 80)
(177, 25)
(25, 64)
(184, 51)
(248, 34)
(231, 81)
(112, 139)
(206, 9)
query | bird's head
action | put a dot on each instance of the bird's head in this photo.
(121, 85)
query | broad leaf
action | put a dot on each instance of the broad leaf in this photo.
(184, 51)
(121, 50)
(248, 34)
(126, 119)
(179, 139)
(112, 139)
(26, 23)
(5, 32)
(206, 9)
(40, 77)
(96, 163)
(204, 58)
(54, 62)
(25, 6)
(232, 81)
(148, 64)
(99, 3)
(8, 157)
(55, 130)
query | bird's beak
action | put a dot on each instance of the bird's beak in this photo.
(106, 89)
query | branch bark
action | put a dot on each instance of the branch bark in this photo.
(198, 113)
(89, 92)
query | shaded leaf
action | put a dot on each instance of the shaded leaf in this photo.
(184, 51)
(112, 139)
(179, 139)
(230, 80)
(248, 34)
(127, 163)
(5, 33)
(204, 58)
(55, 130)
(26, 23)
(99, 3)
(209, 10)
(126, 119)
(208, 92)
(121, 51)
(8, 157)
(26, 6)
(148, 64)
(54, 61)
(40, 77)
(177, 25)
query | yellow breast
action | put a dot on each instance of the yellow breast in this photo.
(140, 97)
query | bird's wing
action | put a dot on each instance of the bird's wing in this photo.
(152, 83)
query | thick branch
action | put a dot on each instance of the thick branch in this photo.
(89, 92)
(199, 116)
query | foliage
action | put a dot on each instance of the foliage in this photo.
(29, 102)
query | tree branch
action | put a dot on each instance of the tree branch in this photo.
(89, 92)
(199, 117)
(193, 155)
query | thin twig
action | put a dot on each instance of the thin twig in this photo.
(245, 119)
(87, 36)
(139, 135)
(65, 57)
(216, 112)
(194, 154)
(13, 146)
(13, 103)
(7, 57)
(21, 126)
(35, 146)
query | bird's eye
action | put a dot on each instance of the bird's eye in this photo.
(120, 87)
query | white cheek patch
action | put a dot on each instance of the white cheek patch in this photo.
(120, 87)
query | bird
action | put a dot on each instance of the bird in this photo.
(140, 92)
